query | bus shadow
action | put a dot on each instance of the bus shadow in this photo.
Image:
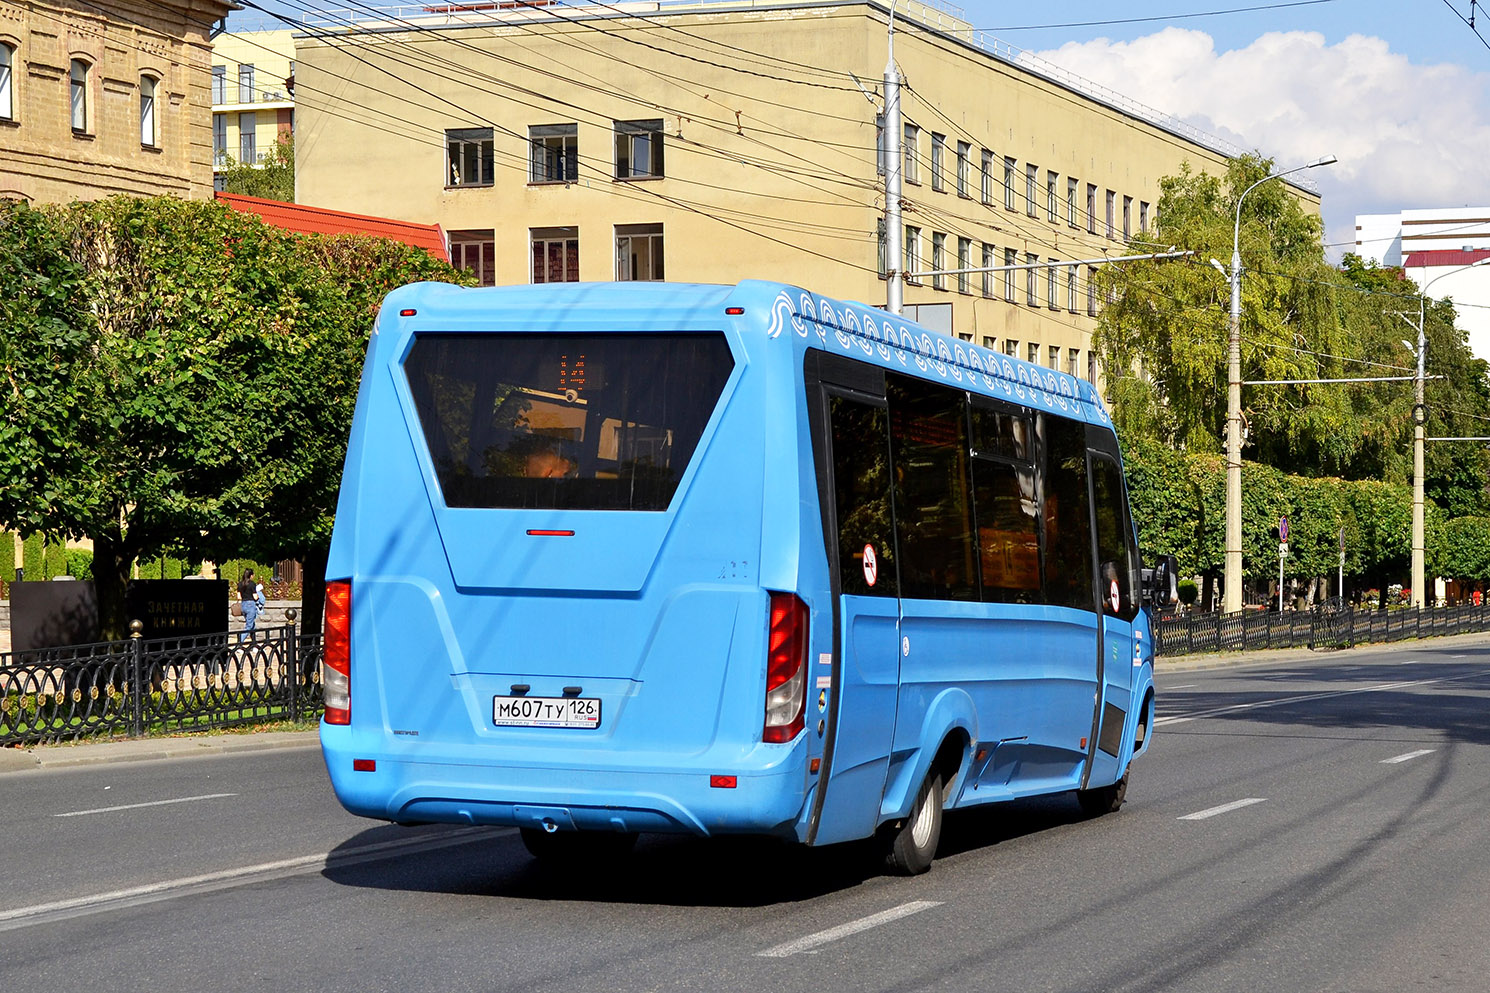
(667, 870)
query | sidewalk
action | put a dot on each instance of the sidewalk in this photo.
(1346, 656)
(143, 749)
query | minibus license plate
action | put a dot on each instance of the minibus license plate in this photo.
(546, 712)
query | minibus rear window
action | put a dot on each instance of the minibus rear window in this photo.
(564, 421)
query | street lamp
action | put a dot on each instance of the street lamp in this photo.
(1233, 579)
(1419, 431)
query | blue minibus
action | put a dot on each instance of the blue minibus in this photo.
(614, 558)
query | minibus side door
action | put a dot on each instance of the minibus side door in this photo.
(1119, 590)
(858, 704)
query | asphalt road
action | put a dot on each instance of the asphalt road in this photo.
(1313, 824)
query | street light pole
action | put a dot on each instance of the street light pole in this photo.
(1419, 434)
(1233, 577)
(894, 163)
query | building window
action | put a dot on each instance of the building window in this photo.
(1055, 356)
(1071, 185)
(470, 156)
(938, 260)
(990, 342)
(938, 161)
(245, 84)
(1052, 201)
(248, 126)
(639, 252)
(475, 252)
(1111, 211)
(219, 84)
(1091, 367)
(78, 87)
(639, 149)
(964, 262)
(1011, 347)
(882, 247)
(1127, 218)
(1031, 179)
(1073, 361)
(7, 101)
(986, 179)
(1143, 216)
(1071, 289)
(1011, 258)
(1033, 355)
(964, 168)
(219, 138)
(1091, 209)
(1008, 183)
(912, 253)
(988, 263)
(1091, 292)
(1053, 289)
(912, 166)
(149, 136)
(555, 255)
(1031, 280)
(555, 154)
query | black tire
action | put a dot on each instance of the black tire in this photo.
(911, 843)
(1104, 799)
(577, 847)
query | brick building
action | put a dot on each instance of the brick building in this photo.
(105, 97)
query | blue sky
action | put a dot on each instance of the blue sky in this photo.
(1398, 89)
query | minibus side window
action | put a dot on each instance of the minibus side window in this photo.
(1068, 527)
(928, 431)
(861, 484)
(1115, 553)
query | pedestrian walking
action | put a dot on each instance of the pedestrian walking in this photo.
(249, 601)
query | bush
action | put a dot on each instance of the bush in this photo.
(79, 563)
(1189, 592)
(167, 568)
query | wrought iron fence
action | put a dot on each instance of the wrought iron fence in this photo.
(1325, 626)
(141, 686)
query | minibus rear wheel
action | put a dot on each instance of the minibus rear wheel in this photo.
(911, 843)
(576, 846)
(1104, 799)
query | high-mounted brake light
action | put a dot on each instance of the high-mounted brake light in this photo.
(407, 312)
(336, 653)
(734, 311)
(786, 669)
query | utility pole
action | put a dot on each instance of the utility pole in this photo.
(894, 164)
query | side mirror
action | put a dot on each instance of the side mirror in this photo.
(1161, 584)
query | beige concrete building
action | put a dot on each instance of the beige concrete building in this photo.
(253, 103)
(104, 97)
(710, 142)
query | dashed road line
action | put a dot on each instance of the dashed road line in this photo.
(812, 941)
(152, 803)
(1225, 808)
(1409, 756)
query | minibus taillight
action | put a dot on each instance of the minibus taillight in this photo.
(786, 668)
(336, 647)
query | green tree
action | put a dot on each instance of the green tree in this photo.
(179, 379)
(273, 178)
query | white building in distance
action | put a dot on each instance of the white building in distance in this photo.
(1436, 246)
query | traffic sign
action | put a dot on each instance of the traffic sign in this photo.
(1283, 530)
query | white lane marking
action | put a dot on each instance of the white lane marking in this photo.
(1182, 686)
(152, 803)
(1280, 701)
(1225, 808)
(83, 906)
(1409, 662)
(1409, 756)
(812, 941)
(1458, 656)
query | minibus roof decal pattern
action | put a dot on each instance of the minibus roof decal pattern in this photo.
(856, 329)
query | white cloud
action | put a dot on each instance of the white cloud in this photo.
(1407, 135)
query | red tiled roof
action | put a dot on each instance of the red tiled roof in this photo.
(1445, 257)
(318, 220)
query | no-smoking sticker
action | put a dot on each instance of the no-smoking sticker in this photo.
(1117, 603)
(871, 565)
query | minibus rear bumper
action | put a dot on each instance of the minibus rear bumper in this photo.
(459, 786)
